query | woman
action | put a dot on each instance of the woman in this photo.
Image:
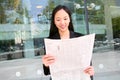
(61, 28)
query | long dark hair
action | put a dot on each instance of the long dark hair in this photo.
(53, 28)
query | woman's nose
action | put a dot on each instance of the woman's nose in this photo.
(62, 21)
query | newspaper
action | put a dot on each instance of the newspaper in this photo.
(72, 57)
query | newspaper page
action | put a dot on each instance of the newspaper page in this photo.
(72, 57)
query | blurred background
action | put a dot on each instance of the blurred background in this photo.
(25, 23)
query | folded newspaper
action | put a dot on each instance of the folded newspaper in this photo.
(72, 57)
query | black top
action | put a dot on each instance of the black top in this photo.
(57, 36)
(72, 35)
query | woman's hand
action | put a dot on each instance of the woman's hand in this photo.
(89, 70)
(48, 60)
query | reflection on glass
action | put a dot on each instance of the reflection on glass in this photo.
(24, 24)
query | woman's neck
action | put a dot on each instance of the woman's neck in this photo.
(65, 35)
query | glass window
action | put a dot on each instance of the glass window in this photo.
(104, 19)
(25, 23)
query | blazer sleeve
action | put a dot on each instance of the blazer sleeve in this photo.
(46, 70)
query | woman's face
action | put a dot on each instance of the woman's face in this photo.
(62, 20)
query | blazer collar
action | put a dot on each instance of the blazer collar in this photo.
(57, 36)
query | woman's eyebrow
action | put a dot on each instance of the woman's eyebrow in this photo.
(66, 16)
(63, 17)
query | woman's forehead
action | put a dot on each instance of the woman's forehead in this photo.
(61, 13)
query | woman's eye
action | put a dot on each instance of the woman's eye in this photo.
(58, 20)
(65, 19)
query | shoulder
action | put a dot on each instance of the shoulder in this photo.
(78, 34)
(56, 36)
(75, 34)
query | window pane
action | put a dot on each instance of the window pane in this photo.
(25, 23)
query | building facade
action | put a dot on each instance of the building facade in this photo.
(25, 23)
